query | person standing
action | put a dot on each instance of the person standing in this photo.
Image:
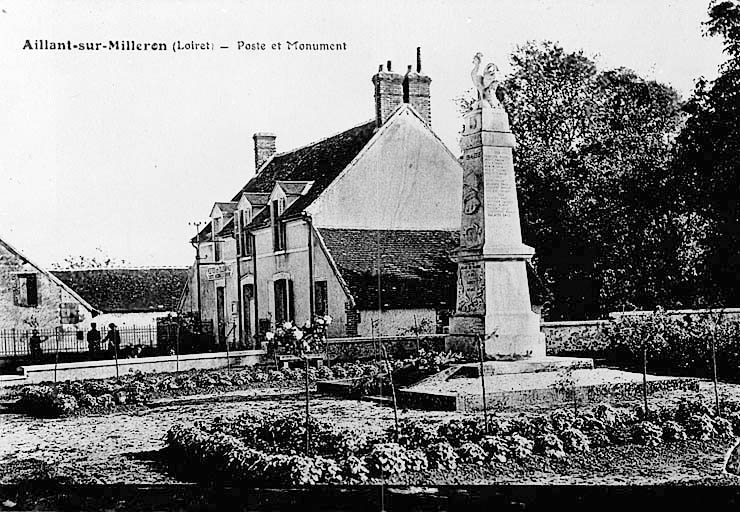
(113, 337)
(34, 343)
(93, 340)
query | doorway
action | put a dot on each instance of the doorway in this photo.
(221, 314)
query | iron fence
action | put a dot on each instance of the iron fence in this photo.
(141, 341)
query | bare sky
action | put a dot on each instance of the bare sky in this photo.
(119, 150)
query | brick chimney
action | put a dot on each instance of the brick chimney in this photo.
(264, 148)
(388, 93)
(416, 90)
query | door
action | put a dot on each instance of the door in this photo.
(221, 314)
(247, 306)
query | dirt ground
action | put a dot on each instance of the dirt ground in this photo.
(123, 447)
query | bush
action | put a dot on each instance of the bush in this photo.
(673, 431)
(387, 459)
(723, 427)
(734, 418)
(574, 441)
(416, 433)
(647, 433)
(606, 414)
(416, 460)
(520, 448)
(472, 453)
(562, 420)
(549, 445)
(460, 431)
(325, 373)
(700, 426)
(442, 456)
(355, 470)
(496, 448)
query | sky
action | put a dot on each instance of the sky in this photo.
(115, 152)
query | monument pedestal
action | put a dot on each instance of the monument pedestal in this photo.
(493, 301)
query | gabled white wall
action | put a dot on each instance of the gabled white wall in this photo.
(404, 179)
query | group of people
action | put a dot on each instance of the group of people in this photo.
(94, 342)
(113, 337)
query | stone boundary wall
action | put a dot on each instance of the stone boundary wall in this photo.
(582, 336)
(354, 349)
(34, 374)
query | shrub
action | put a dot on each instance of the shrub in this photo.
(496, 448)
(549, 445)
(598, 438)
(606, 414)
(723, 427)
(647, 433)
(274, 375)
(355, 470)
(416, 460)
(459, 431)
(520, 447)
(700, 426)
(734, 418)
(688, 408)
(673, 431)
(499, 426)
(471, 452)
(574, 441)
(416, 433)
(325, 373)
(339, 372)
(442, 456)
(387, 459)
(562, 420)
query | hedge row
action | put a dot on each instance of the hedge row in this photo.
(269, 448)
(63, 398)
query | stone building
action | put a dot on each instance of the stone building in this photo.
(33, 298)
(320, 228)
(128, 297)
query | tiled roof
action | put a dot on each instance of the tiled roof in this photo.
(320, 162)
(294, 188)
(227, 230)
(416, 269)
(204, 235)
(127, 290)
(227, 207)
(257, 198)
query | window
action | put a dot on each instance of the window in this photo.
(284, 309)
(246, 242)
(278, 227)
(26, 291)
(321, 299)
(216, 224)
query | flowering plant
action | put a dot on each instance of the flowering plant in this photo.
(288, 338)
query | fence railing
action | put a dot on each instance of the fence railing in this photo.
(135, 341)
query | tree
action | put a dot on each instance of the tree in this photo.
(592, 156)
(708, 163)
(100, 260)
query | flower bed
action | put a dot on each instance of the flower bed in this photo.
(64, 398)
(269, 448)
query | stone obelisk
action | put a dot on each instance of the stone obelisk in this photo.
(492, 294)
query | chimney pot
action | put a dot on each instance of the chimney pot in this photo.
(264, 148)
(389, 66)
(418, 59)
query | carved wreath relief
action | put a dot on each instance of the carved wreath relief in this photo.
(471, 288)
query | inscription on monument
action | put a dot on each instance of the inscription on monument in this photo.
(471, 288)
(501, 198)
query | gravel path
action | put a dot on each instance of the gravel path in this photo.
(119, 447)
